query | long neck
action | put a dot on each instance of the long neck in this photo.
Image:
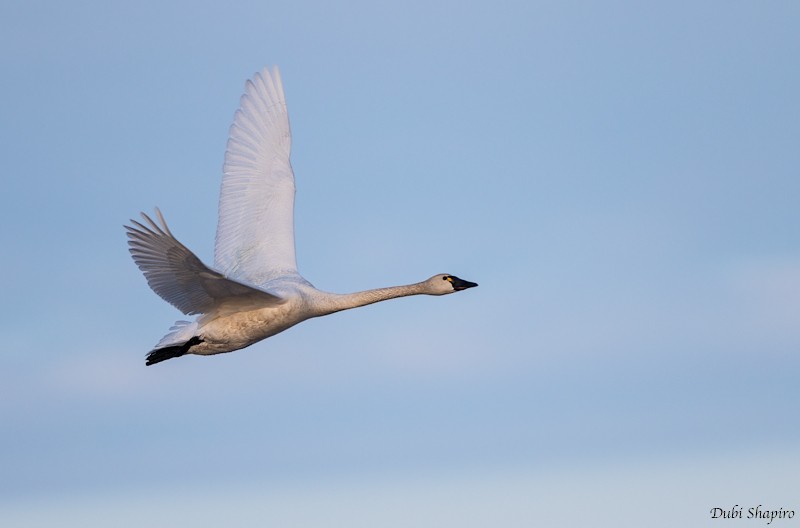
(328, 303)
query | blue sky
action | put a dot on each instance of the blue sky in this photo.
(621, 178)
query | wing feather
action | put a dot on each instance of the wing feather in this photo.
(255, 233)
(180, 278)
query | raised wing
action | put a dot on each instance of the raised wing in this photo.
(255, 234)
(181, 279)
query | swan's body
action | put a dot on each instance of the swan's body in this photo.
(254, 290)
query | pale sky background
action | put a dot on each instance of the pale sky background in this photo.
(620, 177)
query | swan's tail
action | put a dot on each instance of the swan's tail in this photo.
(162, 354)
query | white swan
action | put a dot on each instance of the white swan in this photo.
(254, 290)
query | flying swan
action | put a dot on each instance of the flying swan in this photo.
(254, 290)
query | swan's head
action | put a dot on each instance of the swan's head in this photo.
(445, 283)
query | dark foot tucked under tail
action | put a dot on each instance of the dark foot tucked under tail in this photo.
(162, 354)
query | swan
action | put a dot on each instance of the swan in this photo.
(254, 290)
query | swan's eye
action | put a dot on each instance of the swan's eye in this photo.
(448, 278)
(445, 278)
